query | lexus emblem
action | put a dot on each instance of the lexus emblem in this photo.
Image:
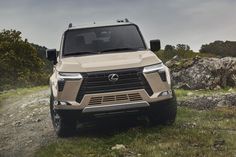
(113, 77)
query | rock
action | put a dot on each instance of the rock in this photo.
(17, 124)
(209, 98)
(202, 102)
(203, 73)
(224, 103)
(38, 120)
(118, 147)
(28, 142)
(183, 86)
(189, 125)
(218, 144)
(217, 87)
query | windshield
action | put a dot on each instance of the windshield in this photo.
(102, 39)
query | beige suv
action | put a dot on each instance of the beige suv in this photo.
(108, 69)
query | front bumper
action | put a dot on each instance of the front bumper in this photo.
(116, 110)
(116, 105)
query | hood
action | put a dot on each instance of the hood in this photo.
(107, 61)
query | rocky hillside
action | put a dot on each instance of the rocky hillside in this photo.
(203, 73)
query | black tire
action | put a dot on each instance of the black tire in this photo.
(63, 125)
(163, 112)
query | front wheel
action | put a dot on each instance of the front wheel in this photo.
(164, 112)
(63, 125)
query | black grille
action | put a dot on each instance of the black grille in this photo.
(97, 82)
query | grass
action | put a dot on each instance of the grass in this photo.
(195, 133)
(19, 92)
(186, 94)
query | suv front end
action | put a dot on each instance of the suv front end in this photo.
(121, 78)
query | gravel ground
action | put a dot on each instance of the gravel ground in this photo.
(25, 125)
(209, 102)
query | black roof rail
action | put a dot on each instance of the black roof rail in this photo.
(123, 21)
(70, 25)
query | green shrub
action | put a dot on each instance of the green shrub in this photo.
(20, 64)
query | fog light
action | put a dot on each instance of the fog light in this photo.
(165, 93)
(64, 103)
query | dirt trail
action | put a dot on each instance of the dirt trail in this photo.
(25, 125)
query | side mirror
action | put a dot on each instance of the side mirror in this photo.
(155, 45)
(51, 55)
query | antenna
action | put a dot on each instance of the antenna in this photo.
(70, 25)
(126, 20)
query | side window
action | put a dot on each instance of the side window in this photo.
(61, 47)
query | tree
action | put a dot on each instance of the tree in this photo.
(169, 52)
(220, 48)
(20, 64)
(169, 48)
(183, 47)
(41, 50)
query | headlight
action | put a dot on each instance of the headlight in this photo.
(68, 75)
(153, 68)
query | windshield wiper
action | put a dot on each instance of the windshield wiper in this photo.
(120, 49)
(81, 53)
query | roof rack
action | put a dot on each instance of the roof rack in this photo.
(70, 25)
(123, 21)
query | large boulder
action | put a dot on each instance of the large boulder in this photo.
(203, 73)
